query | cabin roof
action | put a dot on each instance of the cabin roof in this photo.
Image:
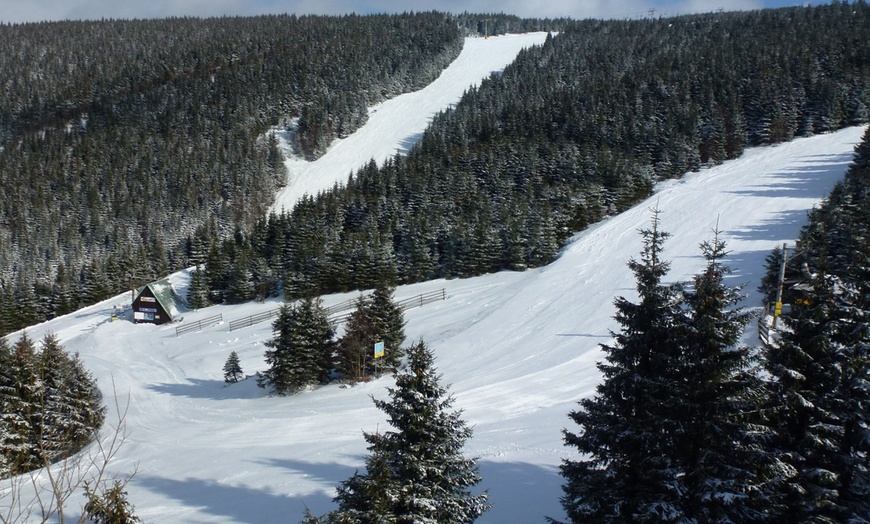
(164, 294)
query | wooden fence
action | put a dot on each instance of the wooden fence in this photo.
(253, 319)
(408, 303)
(198, 325)
(339, 313)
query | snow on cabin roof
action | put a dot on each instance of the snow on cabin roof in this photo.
(165, 295)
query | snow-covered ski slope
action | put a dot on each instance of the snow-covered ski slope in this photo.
(395, 125)
(518, 349)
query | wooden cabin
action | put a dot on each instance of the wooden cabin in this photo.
(155, 303)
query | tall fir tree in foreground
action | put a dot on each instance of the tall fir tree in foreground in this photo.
(627, 473)
(720, 438)
(301, 348)
(416, 473)
(673, 433)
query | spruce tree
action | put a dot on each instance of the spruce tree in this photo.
(820, 371)
(356, 345)
(628, 472)
(71, 410)
(9, 407)
(233, 369)
(389, 325)
(719, 442)
(197, 292)
(377, 318)
(302, 347)
(20, 396)
(415, 473)
(111, 506)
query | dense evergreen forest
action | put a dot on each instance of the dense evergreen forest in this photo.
(572, 131)
(119, 138)
(130, 149)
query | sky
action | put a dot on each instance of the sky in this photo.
(516, 349)
(19, 11)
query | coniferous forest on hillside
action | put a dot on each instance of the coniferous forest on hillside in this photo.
(571, 132)
(133, 148)
(129, 149)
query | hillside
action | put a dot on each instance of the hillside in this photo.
(518, 348)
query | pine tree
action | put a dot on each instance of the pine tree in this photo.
(302, 348)
(197, 292)
(416, 473)
(820, 372)
(110, 507)
(9, 406)
(70, 406)
(628, 473)
(389, 325)
(20, 395)
(719, 444)
(356, 346)
(233, 369)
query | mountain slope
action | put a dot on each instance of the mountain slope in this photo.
(519, 349)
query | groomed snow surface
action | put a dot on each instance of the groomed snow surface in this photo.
(517, 349)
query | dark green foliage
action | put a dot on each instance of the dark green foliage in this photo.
(376, 319)
(51, 407)
(233, 369)
(301, 350)
(389, 325)
(197, 291)
(719, 438)
(111, 506)
(631, 474)
(672, 434)
(416, 472)
(821, 367)
(356, 346)
(70, 411)
(125, 144)
(573, 131)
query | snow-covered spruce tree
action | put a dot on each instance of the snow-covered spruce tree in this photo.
(820, 374)
(233, 368)
(356, 345)
(197, 292)
(719, 438)
(627, 472)
(417, 473)
(377, 318)
(71, 402)
(12, 424)
(389, 325)
(51, 405)
(302, 347)
(20, 395)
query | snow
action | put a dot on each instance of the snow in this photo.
(518, 349)
(395, 125)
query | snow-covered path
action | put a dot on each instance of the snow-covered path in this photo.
(396, 124)
(518, 349)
